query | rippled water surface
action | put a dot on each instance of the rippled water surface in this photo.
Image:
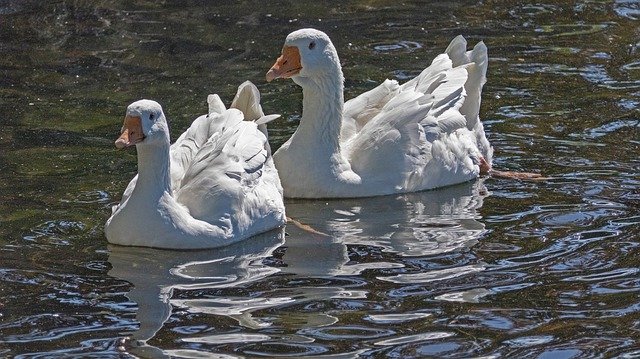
(494, 268)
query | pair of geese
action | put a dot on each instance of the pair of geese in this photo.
(218, 183)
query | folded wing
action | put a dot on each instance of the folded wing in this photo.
(394, 133)
(232, 171)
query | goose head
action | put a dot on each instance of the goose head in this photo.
(144, 124)
(307, 55)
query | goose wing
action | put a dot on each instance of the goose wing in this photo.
(401, 139)
(360, 110)
(231, 176)
(226, 176)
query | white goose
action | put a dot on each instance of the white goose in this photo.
(395, 138)
(215, 186)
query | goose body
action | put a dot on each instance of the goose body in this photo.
(215, 186)
(395, 138)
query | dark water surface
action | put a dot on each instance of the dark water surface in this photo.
(493, 268)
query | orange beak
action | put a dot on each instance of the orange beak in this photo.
(131, 132)
(287, 65)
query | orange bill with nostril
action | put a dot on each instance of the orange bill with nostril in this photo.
(131, 132)
(287, 65)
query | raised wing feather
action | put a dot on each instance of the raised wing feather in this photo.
(247, 100)
(477, 75)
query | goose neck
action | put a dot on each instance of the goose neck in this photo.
(321, 120)
(153, 168)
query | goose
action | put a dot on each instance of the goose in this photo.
(216, 185)
(423, 134)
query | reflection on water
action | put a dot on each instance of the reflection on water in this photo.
(416, 224)
(358, 234)
(493, 268)
(155, 274)
(439, 222)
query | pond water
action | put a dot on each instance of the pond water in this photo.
(493, 268)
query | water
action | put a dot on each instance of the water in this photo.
(493, 268)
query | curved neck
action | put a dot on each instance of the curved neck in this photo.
(323, 101)
(153, 169)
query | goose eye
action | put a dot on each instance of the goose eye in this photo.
(312, 45)
(151, 117)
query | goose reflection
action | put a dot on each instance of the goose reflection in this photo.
(315, 265)
(414, 224)
(154, 274)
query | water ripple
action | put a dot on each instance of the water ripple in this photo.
(443, 348)
(468, 296)
(396, 318)
(605, 276)
(48, 327)
(627, 8)
(529, 341)
(283, 349)
(346, 332)
(435, 275)
(228, 338)
(88, 197)
(610, 128)
(511, 321)
(414, 338)
(404, 46)
(596, 74)
(526, 11)
(586, 347)
(571, 29)
(56, 232)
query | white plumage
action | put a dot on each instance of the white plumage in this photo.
(214, 186)
(395, 138)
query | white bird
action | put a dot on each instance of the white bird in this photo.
(215, 186)
(394, 138)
